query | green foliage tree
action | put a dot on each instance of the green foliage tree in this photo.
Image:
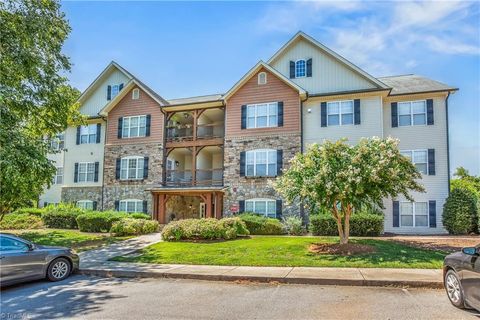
(460, 212)
(340, 177)
(466, 181)
(36, 100)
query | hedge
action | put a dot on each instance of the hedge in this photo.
(132, 226)
(261, 225)
(460, 212)
(98, 221)
(293, 225)
(20, 221)
(62, 216)
(361, 224)
(204, 229)
(31, 211)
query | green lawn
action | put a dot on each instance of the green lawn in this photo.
(286, 251)
(80, 241)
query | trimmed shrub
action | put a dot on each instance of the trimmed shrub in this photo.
(361, 225)
(131, 227)
(62, 216)
(460, 212)
(204, 229)
(98, 221)
(293, 225)
(31, 211)
(20, 221)
(260, 225)
(139, 215)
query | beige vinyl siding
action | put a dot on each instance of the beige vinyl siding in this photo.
(422, 137)
(53, 194)
(328, 74)
(370, 125)
(98, 99)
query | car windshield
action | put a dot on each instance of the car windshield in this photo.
(12, 244)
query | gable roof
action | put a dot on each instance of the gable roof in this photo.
(301, 35)
(412, 83)
(254, 70)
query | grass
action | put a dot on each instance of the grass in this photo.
(286, 251)
(80, 241)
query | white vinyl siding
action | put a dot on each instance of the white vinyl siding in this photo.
(131, 205)
(261, 163)
(131, 168)
(339, 113)
(419, 158)
(88, 134)
(265, 207)
(413, 214)
(262, 115)
(412, 113)
(134, 126)
(85, 204)
(86, 171)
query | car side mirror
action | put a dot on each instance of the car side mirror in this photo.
(471, 251)
(31, 247)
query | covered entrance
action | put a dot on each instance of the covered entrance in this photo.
(175, 204)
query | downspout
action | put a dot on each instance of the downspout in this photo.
(302, 207)
(448, 142)
(103, 164)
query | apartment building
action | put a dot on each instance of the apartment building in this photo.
(214, 155)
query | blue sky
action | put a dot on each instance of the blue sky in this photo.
(183, 49)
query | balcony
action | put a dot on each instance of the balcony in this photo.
(184, 178)
(201, 124)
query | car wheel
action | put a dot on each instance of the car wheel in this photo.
(454, 289)
(59, 269)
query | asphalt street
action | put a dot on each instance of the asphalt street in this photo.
(84, 297)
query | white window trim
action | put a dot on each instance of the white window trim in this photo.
(411, 113)
(138, 205)
(340, 114)
(137, 168)
(130, 127)
(135, 94)
(88, 126)
(86, 172)
(266, 200)
(57, 176)
(305, 73)
(57, 143)
(83, 204)
(264, 74)
(255, 151)
(255, 105)
(414, 207)
(412, 158)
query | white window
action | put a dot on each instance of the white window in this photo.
(412, 113)
(262, 115)
(131, 168)
(135, 126)
(419, 158)
(86, 172)
(88, 134)
(135, 94)
(262, 78)
(300, 68)
(85, 204)
(115, 90)
(58, 142)
(340, 113)
(131, 205)
(58, 178)
(261, 163)
(266, 207)
(414, 214)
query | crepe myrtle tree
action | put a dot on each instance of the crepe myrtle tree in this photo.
(340, 177)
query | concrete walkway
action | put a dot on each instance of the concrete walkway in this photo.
(95, 262)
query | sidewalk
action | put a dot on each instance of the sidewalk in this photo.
(96, 262)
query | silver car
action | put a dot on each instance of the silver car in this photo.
(22, 260)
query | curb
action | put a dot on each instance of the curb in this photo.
(309, 281)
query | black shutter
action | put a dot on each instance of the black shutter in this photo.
(99, 131)
(120, 127)
(145, 206)
(431, 162)
(117, 205)
(241, 206)
(244, 117)
(396, 214)
(309, 67)
(78, 135)
(242, 164)
(356, 111)
(75, 177)
(323, 114)
(432, 213)
(117, 168)
(120, 87)
(394, 111)
(95, 178)
(109, 92)
(292, 69)
(279, 209)
(145, 167)
(279, 162)
(94, 205)
(429, 111)
(280, 113)
(147, 125)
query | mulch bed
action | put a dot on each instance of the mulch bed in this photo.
(348, 249)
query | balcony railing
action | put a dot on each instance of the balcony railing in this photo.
(180, 133)
(184, 178)
(209, 131)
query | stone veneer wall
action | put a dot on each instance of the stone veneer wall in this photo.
(242, 188)
(74, 194)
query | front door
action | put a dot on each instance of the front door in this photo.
(202, 209)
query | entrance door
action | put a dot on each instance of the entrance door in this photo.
(202, 209)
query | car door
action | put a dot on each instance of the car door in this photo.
(471, 281)
(18, 261)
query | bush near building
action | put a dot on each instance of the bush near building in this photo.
(133, 227)
(204, 229)
(18, 221)
(260, 225)
(460, 214)
(361, 224)
(62, 216)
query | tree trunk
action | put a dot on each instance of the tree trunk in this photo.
(346, 230)
(338, 218)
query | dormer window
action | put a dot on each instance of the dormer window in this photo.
(300, 68)
(262, 78)
(113, 90)
(135, 94)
